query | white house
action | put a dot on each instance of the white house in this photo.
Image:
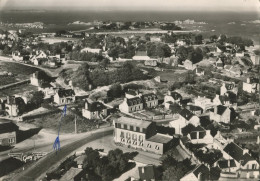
(64, 96)
(16, 56)
(185, 117)
(247, 166)
(228, 86)
(141, 55)
(94, 110)
(200, 172)
(251, 85)
(203, 102)
(221, 114)
(199, 135)
(91, 50)
(255, 59)
(170, 98)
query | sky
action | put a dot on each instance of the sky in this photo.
(180, 5)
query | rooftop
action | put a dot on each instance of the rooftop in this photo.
(160, 138)
(133, 122)
(70, 175)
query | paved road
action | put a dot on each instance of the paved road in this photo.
(40, 167)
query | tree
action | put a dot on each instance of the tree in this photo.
(198, 39)
(213, 38)
(37, 98)
(115, 91)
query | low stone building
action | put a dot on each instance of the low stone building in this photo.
(8, 133)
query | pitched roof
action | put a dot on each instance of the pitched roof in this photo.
(160, 138)
(226, 163)
(198, 128)
(96, 106)
(185, 113)
(66, 92)
(149, 97)
(236, 152)
(146, 172)
(71, 174)
(134, 101)
(8, 127)
(220, 109)
(199, 169)
(140, 53)
(176, 95)
(133, 122)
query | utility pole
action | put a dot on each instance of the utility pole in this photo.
(75, 124)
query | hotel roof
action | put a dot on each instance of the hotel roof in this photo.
(133, 122)
(160, 138)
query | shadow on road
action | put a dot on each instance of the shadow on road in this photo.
(23, 135)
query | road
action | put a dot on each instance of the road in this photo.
(34, 171)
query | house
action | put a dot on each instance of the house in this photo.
(228, 99)
(255, 59)
(140, 134)
(228, 165)
(200, 172)
(73, 174)
(14, 105)
(91, 50)
(247, 166)
(189, 65)
(219, 64)
(147, 173)
(199, 135)
(151, 62)
(16, 56)
(228, 87)
(80, 160)
(221, 114)
(135, 101)
(141, 55)
(8, 133)
(180, 42)
(64, 96)
(240, 54)
(170, 98)
(131, 105)
(94, 110)
(197, 110)
(251, 85)
(199, 71)
(203, 102)
(150, 100)
(47, 89)
(185, 117)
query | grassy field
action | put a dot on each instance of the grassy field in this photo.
(18, 89)
(20, 72)
(52, 122)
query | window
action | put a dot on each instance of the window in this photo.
(157, 147)
(122, 135)
(118, 125)
(137, 129)
(253, 166)
(125, 126)
(128, 135)
(149, 145)
(122, 139)
(140, 138)
(131, 128)
(144, 130)
(141, 144)
(134, 136)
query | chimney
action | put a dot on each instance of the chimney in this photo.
(228, 163)
(142, 170)
(169, 92)
(215, 109)
(248, 80)
(86, 104)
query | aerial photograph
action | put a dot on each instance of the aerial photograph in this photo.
(129, 90)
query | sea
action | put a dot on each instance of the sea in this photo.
(245, 24)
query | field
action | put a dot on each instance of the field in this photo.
(20, 72)
(67, 125)
(17, 89)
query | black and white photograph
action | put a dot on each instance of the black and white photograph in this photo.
(129, 90)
